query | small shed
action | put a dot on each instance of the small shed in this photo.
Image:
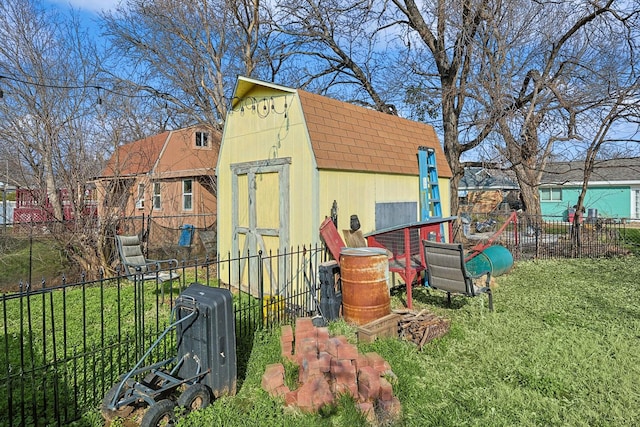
(289, 159)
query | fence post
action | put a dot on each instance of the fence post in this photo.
(261, 288)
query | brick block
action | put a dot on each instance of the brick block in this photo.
(305, 400)
(332, 346)
(286, 333)
(271, 383)
(306, 345)
(323, 395)
(368, 392)
(304, 324)
(347, 351)
(306, 334)
(275, 368)
(368, 386)
(339, 388)
(280, 391)
(378, 362)
(322, 334)
(367, 373)
(392, 409)
(340, 366)
(360, 362)
(286, 349)
(309, 369)
(345, 378)
(313, 394)
(306, 356)
(368, 383)
(386, 389)
(343, 339)
(324, 361)
(366, 408)
(273, 377)
(291, 398)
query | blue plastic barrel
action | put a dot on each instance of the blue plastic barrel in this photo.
(495, 259)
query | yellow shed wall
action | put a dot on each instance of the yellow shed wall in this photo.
(357, 193)
(260, 134)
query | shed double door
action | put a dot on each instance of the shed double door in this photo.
(261, 223)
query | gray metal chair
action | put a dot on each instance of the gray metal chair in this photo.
(446, 271)
(140, 268)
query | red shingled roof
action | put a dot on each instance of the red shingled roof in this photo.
(348, 137)
(136, 157)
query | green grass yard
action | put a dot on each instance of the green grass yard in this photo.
(561, 349)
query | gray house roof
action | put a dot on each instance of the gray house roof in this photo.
(477, 178)
(612, 171)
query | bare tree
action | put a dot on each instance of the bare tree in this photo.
(443, 34)
(186, 53)
(47, 115)
(538, 100)
(339, 48)
(507, 69)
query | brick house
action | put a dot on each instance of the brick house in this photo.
(169, 176)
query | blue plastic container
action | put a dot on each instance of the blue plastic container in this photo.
(495, 259)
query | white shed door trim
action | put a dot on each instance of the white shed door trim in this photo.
(254, 241)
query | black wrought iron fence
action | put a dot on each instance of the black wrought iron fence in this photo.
(62, 347)
(529, 237)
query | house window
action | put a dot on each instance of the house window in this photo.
(551, 194)
(202, 139)
(187, 195)
(140, 198)
(157, 203)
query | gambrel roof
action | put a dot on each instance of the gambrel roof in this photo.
(137, 157)
(170, 154)
(349, 137)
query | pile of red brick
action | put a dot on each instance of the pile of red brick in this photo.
(330, 366)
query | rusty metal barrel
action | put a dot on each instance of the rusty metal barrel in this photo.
(365, 294)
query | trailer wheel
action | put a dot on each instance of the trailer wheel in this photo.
(111, 414)
(160, 415)
(197, 396)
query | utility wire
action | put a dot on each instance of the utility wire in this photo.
(156, 93)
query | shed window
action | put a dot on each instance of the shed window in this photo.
(551, 194)
(395, 213)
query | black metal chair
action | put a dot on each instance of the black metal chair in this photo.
(140, 268)
(446, 271)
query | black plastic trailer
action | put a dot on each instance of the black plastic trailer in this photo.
(203, 369)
